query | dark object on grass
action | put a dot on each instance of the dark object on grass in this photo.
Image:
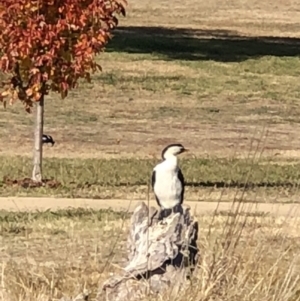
(48, 139)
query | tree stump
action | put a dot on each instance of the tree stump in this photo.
(161, 256)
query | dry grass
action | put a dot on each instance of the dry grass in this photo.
(254, 17)
(45, 256)
(191, 68)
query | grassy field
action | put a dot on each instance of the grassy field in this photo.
(200, 76)
(45, 255)
(265, 181)
(220, 77)
(226, 87)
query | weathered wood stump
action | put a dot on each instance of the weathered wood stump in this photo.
(161, 256)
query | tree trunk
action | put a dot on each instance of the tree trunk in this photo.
(38, 145)
(162, 255)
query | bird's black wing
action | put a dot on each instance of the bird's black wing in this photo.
(153, 179)
(47, 139)
(181, 179)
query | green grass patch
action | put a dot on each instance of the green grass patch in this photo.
(97, 177)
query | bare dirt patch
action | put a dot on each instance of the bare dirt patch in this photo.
(203, 208)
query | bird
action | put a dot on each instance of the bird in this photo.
(168, 181)
(48, 139)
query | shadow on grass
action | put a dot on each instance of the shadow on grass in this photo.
(196, 44)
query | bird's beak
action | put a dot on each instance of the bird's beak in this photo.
(185, 150)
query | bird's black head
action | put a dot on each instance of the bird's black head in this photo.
(173, 150)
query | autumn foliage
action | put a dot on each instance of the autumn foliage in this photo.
(47, 45)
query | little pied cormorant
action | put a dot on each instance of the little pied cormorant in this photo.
(167, 179)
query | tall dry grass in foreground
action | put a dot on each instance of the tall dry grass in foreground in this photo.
(248, 256)
(245, 255)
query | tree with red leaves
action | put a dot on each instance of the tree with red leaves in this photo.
(48, 45)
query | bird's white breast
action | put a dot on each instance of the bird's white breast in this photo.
(167, 186)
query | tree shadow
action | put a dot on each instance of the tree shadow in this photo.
(196, 44)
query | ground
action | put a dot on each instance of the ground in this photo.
(226, 87)
(48, 254)
(28, 204)
(222, 78)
